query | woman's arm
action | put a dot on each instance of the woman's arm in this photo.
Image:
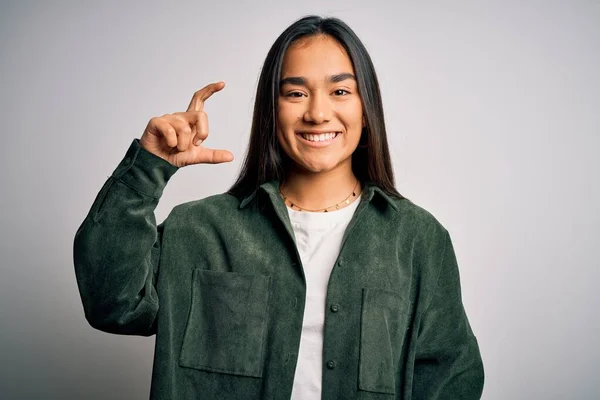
(117, 247)
(448, 363)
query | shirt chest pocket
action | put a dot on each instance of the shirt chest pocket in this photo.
(227, 323)
(384, 322)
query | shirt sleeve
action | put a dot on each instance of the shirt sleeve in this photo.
(448, 362)
(117, 247)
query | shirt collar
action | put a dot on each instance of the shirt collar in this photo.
(369, 191)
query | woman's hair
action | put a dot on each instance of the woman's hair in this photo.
(266, 160)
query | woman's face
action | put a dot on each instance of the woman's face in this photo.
(320, 115)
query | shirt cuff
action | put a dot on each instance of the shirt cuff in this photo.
(143, 171)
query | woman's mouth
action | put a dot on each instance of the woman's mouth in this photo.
(318, 137)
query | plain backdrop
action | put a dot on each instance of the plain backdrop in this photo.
(492, 109)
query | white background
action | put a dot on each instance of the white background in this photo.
(492, 110)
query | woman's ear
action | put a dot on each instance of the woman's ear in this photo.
(364, 121)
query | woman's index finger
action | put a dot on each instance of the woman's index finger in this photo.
(197, 102)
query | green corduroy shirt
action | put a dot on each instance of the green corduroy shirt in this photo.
(221, 284)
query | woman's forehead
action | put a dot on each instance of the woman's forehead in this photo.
(316, 57)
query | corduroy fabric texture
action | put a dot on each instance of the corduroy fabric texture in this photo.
(221, 285)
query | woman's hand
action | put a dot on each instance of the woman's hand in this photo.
(178, 137)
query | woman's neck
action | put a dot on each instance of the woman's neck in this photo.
(315, 191)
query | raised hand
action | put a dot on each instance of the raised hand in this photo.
(178, 137)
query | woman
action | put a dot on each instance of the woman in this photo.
(312, 277)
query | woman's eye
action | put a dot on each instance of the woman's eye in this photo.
(341, 92)
(294, 94)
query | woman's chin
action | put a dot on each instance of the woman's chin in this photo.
(320, 166)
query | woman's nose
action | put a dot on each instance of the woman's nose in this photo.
(318, 110)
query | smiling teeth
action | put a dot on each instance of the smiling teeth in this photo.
(319, 138)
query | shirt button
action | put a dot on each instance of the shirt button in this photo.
(127, 161)
(331, 364)
(334, 308)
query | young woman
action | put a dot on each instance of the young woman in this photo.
(312, 278)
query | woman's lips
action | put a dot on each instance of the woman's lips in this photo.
(317, 140)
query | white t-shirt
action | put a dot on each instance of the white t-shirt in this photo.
(319, 239)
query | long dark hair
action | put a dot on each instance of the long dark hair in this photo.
(266, 160)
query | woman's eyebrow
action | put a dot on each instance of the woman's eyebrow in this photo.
(301, 81)
(293, 80)
(341, 77)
